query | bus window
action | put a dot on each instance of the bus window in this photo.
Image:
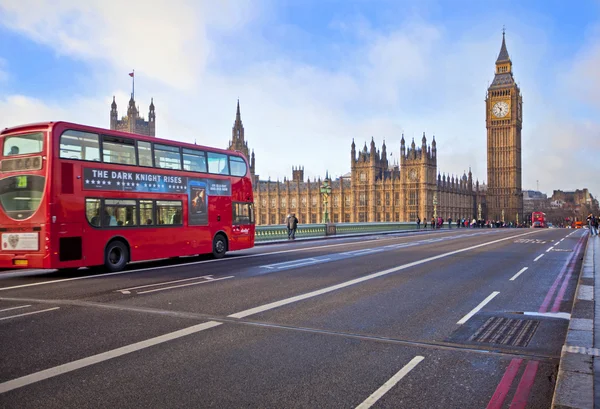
(147, 212)
(218, 164)
(169, 212)
(118, 150)
(194, 160)
(145, 153)
(167, 157)
(24, 144)
(119, 213)
(92, 211)
(79, 145)
(238, 166)
(243, 213)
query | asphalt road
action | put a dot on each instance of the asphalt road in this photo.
(468, 318)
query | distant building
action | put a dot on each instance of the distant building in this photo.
(534, 201)
(133, 122)
(578, 197)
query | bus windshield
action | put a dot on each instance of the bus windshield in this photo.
(24, 144)
(20, 196)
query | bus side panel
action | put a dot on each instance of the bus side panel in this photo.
(242, 237)
(220, 215)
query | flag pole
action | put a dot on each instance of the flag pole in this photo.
(133, 89)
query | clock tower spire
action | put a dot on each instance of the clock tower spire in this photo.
(503, 122)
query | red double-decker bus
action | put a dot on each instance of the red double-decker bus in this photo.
(77, 196)
(538, 219)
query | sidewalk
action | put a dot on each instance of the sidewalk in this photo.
(578, 381)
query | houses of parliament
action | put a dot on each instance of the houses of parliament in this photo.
(376, 191)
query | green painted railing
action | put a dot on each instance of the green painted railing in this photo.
(279, 232)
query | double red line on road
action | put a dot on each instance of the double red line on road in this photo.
(570, 267)
(522, 394)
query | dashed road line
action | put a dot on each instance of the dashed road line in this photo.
(538, 257)
(28, 313)
(15, 308)
(207, 278)
(375, 396)
(479, 307)
(519, 273)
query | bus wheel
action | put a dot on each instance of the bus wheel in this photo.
(219, 246)
(116, 256)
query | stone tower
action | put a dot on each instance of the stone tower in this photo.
(238, 143)
(133, 122)
(418, 171)
(367, 169)
(504, 116)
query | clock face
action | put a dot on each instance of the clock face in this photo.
(412, 174)
(500, 109)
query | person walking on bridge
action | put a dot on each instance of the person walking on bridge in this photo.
(292, 224)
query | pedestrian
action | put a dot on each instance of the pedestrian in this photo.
(292, 226)
(287, 223)
(418, 222)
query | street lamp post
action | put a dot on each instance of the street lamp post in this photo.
(479, 211)
(435, 206)
(502, 215)
(325, 191)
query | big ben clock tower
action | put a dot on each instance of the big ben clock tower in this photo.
(503, 111)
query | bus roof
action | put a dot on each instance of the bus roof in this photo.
(50, 124)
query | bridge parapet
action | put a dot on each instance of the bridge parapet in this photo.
(279, 232)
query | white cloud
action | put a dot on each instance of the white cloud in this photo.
(408, 78)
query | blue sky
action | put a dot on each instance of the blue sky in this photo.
(312, 75)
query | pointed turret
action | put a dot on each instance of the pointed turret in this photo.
(113, 106)
(402, 146)
(237, 142)
(151, 113)
(503, 55)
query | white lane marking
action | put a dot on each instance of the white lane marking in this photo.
(562, 315)
(362, 252)
(291, 262)
(15, 308)
(375, 396)
(183, 285)
(519, 273)
(301, 297)
(209, 277)
(28, 313)
(581, 350)
(104, 356)
(194, 263)
(476, 309)
(550, 249)
(538, 257)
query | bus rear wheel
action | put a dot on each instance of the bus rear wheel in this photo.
(116, 256)
(219, 246)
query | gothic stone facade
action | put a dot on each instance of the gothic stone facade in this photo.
(374, 191)
(133, 123)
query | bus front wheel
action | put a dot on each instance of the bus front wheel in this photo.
(116, 256)
(219, 246)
